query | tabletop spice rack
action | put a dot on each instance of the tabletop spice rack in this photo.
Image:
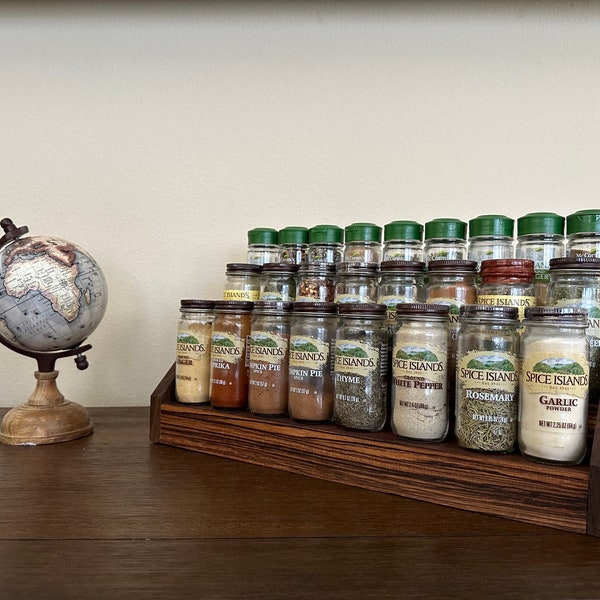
(509, 486)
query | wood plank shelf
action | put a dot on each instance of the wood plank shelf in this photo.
(508, 486)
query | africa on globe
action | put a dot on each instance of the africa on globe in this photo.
(52, 294)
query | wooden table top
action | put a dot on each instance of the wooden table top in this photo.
(112, 515)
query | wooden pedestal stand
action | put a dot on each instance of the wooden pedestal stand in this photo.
(510, 486)
(46, 417)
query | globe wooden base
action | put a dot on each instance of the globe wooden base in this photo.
(46, 418)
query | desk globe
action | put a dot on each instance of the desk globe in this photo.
(53, 295)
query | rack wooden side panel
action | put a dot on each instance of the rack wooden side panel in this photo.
(504, 486)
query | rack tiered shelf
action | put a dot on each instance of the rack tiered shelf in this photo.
(512, 487)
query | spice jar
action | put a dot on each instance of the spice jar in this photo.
(403, 240)
(278, 282)
(356, 282)
(316, 282)
(453, 284)
(360, 372)
(507, 282)
(293, 244)
(583, 233)
(228, 354)
(400, 282)
(362, 243)
(540, 237)
(325, 244)
(242, 282)
(491, 236)
(554, 385)
(487, 379)
(263, 245)
(575, 282)
(419, 407)
(192, 368)
(312, 339)
(268, 354)
(445, 239)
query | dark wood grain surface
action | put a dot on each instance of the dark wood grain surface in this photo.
(113, 515)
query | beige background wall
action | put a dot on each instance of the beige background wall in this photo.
(155, 136)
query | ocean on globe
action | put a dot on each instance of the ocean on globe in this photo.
(52, 294)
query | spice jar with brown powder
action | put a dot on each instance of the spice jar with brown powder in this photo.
(228, 350)
(312, 340)
(268, 352)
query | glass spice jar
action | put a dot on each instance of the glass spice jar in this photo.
(507, 282)
(360, 372)
(293, 244)
(312, 339)
(400, 282)
(452, 283)
(445, 239)
(316, 282)
(553, 402)
(228, 354)
(403, 240)
(487, 379)
(419, 403)
(263, 246)
(362, 243)
(356, 283)
(325, 244)
(192, 368)
(540, 237)
(583, 234)
(242, 282)
(278, 282)
(268, 357)
(491, 236)
(575, 282)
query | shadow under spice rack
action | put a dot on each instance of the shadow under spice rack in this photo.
(509, 486)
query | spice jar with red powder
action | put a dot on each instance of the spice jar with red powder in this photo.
(228, 352)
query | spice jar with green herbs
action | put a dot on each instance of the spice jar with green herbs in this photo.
(487, 379)
(312, 341)
(419, 403)
(360, 372)
(554, 385)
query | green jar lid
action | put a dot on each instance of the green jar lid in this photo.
(446, 228)
(263, 235)
(403, 230)
(491, 225)
(540, 222)
(584, 221)
(325, 233)
(293, 235)
(362, 232)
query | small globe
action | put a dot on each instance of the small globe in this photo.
(52, 294)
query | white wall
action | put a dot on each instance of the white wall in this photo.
(155, 136)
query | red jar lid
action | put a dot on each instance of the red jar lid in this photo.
(499, 270)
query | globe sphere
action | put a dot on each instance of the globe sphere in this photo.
(53, 294)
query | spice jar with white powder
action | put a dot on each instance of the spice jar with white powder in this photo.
(553, 402)
(419, 404)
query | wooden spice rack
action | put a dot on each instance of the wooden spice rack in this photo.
(512, 487)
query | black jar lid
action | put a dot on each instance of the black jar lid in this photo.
(273, 306)
(330, 308)
(234, 306)
(192, 303)
(489, 311)
(393, 266)
(357, 268)
(574, 262)
(362, 309)
(290, 268)
(570, 314)
(451, 266)
(243, 267)
(421, 308)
